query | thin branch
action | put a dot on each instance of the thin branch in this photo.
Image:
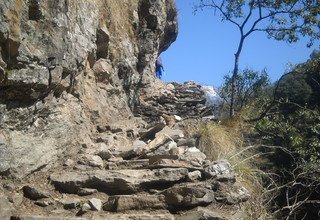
(220, 9)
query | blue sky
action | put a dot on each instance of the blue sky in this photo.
(205, 47)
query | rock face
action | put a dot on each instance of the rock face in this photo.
(68, 66)
(87, 131)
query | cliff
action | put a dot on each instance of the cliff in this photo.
(70, 66)
(85, 127)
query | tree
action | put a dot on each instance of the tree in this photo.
(251, 84)
(287, 20)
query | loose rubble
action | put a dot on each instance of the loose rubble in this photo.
(148, 177)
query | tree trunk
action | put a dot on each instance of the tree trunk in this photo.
(234, 85)
(234, 77)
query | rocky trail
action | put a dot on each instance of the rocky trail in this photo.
(160, 175)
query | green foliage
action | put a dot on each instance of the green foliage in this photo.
(251, 84)
(294, 88)
(298, 132)
(287, 20)
(301, 85)
(293, 123)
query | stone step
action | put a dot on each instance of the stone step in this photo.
(117, 181)
(128, 164)
(189, 195)
(38, 217)
(163, 215)
(122, 203)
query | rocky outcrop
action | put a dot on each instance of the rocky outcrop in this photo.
(70, 66)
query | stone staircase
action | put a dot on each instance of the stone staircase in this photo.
(162, 175)
(187, 100)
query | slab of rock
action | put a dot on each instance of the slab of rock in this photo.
(231, 194)
(122, 203)
(134, 216)
(169, 163)
(116, 181)
(188, 195)
(34, 193)
(128, 164)
(200, 213)
(70, 182)
(174, 134)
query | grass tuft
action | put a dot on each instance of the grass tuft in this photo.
(227, 140)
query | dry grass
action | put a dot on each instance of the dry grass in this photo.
(225, 140)
(215, 140)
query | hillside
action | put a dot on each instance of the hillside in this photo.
(87, 131)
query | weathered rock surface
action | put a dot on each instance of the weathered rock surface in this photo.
(69, 66)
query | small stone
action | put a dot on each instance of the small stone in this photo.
(86, 191)
(115, 159)
(91, 160)
(219, 169)
(193, 176)
(68, 163)
(105, 154)
(70, 203)
(85, 207)
(95, 204)
(177, 151)
(43, 203)
(178, 118)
